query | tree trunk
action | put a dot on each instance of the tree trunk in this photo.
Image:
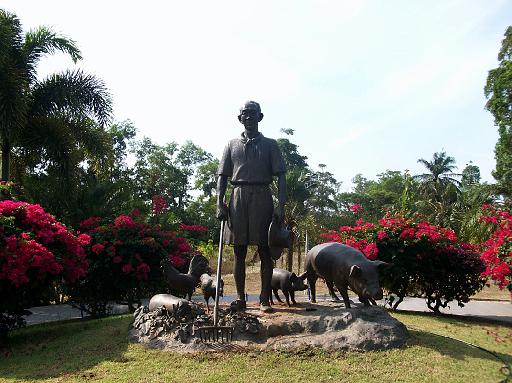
(6, 154)
(299, 256)
(289, 259)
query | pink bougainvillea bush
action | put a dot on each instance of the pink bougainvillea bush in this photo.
(195, 234)
(497, 250)
(125, 256)
(428, 261)
(36, 252)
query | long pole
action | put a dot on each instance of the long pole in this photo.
(219, 267)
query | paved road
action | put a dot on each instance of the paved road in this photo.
(495, 310)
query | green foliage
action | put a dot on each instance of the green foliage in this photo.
(470, 175)
(427, 260)
(124, 261)
(54, 124)
(498, 91)
(376, 197)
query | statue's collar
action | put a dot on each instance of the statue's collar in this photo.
(246, 140)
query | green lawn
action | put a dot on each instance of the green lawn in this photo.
(99, 350)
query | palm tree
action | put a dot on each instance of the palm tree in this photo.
(440, 170)
(440, 189)
(47, 121)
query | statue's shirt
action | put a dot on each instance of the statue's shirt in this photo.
(251, 161)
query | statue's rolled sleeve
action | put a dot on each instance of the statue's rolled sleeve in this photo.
(277, 160)
(226, 163)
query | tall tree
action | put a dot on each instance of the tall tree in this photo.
(440, 174)
(298, 182)
(498, 91)
(439, 189)
(52, 117)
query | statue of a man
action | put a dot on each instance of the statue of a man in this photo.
(251, 161)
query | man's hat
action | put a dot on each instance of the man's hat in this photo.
(279, 235)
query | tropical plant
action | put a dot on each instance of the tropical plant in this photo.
(440, 173)
(498, 91)
(50, 125)
(125, 256)
(497, 250)
(427, 260)
(438, 189)
(36, 252)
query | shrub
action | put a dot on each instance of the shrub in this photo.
(428, 260)
(497, 250)
(36, 252)
(124, 261)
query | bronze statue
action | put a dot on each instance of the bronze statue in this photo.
(343, 266)
(251, 161)
(185, 283)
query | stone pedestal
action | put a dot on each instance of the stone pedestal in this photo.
(326, 325)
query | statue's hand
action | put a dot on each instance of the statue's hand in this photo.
(222, 212)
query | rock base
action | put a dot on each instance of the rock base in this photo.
(325, 325)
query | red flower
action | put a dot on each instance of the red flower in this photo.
(142, 271)
(97, 248)
(158, 204)
(84, 239)
(117, 259)
(124, 221)
(407, 233)
(127, 269)
(90, 223)
(356, 208)
(194, 228)
(382, 235)
(177, 261)
(371, 251)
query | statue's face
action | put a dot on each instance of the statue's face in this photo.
(250, 116)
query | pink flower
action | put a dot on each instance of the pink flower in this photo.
(97, 248)
(371, 251)
(356, 208)
(177, 261)
(117, 259)
(90, 223)
(382, 235)
(84, 239)
(127, 269)
(407, 233)
(194, 228)
(158, 204)
(124, 221)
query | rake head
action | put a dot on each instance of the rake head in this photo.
(215, 334)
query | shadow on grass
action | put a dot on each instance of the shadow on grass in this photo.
(64, 348)
(456, 320)
(453, 348)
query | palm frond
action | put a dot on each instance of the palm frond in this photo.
(13, 84)
(74, 93)
(43, 41)
(10, 34)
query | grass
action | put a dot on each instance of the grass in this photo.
(98, 350)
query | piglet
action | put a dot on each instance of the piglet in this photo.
(288, 283)
(208, 284)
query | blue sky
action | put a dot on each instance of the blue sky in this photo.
(367, 85)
